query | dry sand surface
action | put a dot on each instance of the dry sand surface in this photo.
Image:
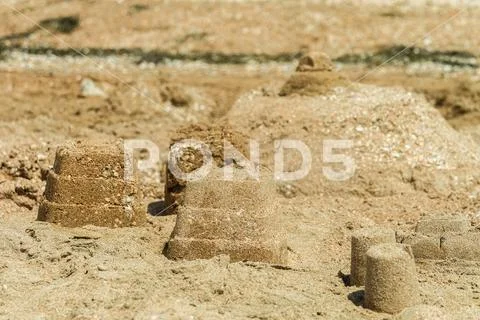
(167, 70)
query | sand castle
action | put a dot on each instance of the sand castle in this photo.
(219, 215)
(87, 186)
(314, 75)
(235, 217)
(384, 262)
(391, 283)
(362, 240)
(386, 269)
(398, 142)
(444, 237)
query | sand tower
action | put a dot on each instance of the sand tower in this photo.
(234, 217)
(362, 240)
(227, 211)
(87, 186)
(391, 283)
(212, 136)
(443, 224)
(364, 140)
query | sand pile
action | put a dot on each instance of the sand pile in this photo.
(220, 213)
(396, 141)
(190, 159)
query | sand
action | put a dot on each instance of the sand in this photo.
(228, 70)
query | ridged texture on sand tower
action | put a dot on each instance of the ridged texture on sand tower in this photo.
(362, 240)
(87, 187)
(213, 136)
(391, 282)
(227, 217)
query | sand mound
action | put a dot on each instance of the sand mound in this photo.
(397, 141)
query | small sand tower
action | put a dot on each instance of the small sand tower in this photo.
(234, 217)
(391, 281)
(325, 111)
(362, 240)
(87, 186)
(212, 136)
